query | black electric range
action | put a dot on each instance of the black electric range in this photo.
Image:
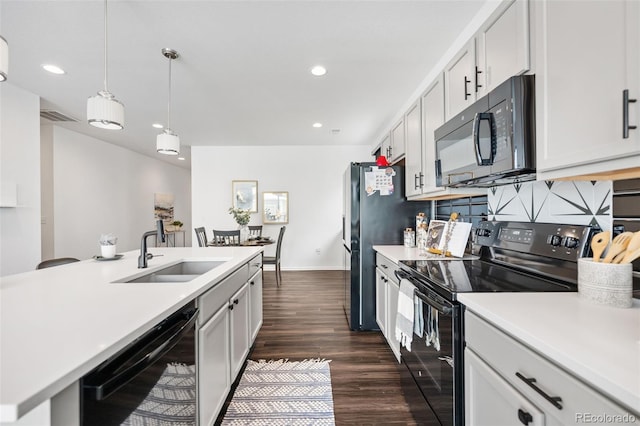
(507, 257)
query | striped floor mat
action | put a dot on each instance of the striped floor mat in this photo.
(280, 392)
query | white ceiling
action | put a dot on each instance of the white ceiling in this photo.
(243, 73)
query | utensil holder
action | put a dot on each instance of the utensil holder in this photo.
(607, 284)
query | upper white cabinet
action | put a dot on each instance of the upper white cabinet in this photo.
(499, 50)
(503, 46)
(587, 59)
(460, 80)
(414, 175)
(397, 142)
(422, 119)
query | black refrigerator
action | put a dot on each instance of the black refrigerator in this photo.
(375, 212)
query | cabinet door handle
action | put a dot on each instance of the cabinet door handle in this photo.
(478, 85)
(235, 302)
(416, 178)
(252, 283)
(625, 114)
(553, 400)
(466, 88)
(231, 307)
(421, 180)
(390, 151)
(524, 417)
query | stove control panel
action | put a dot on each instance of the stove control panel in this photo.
(565, 242)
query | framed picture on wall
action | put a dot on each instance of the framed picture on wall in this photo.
(244, 195)
(275, 207)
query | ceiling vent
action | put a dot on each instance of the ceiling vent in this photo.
(52, 115)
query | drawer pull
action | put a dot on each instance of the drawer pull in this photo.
(384, 267)
(236, 301)
(524, 417)
(554, 400)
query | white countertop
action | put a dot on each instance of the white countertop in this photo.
(599, 344)
(398, 253)
(59, 323)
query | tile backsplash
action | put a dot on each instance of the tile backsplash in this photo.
(570, 202)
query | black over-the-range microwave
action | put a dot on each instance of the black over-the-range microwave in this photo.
(492, 142)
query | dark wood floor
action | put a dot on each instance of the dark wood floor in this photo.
(304, 319)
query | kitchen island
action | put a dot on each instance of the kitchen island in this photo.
(59, 323)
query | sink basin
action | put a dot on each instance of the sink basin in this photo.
(178, 273)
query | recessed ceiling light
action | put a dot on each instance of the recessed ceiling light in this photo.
(181, 158)
(157, 125)
(317, 125)
(318, 70)
(53, 69)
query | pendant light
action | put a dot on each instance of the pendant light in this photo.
(104, 110)
(4, 59)
(168, 142)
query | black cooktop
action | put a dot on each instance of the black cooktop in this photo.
(449, 277)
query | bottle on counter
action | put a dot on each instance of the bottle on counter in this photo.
(421, 240)
(409, 237)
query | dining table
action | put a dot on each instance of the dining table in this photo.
(249, 243)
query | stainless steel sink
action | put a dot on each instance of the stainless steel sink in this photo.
(178, 273)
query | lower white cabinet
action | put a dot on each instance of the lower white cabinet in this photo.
(214, 366)
(229, 320)
(239, 326)
(255, 296)
(387, 289)
(506, 383)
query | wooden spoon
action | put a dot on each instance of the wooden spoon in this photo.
(633, 249)
(599, 243)
(618, 245)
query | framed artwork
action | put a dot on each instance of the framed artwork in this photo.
(163, 207)
(275, 207)
(244, 195)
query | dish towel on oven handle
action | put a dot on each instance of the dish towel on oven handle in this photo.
(405, 314)
(432, 331)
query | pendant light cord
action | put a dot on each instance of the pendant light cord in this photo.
(169, 103)
(106, 89)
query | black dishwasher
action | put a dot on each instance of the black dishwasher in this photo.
(152, 380)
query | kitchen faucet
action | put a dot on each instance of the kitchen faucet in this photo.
(159, 233)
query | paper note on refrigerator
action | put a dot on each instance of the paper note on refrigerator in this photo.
(380, 180)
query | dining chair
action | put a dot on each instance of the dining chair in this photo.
(226, 238)
(55, 262)
(201, 234)
(275, 260)
(255, 231)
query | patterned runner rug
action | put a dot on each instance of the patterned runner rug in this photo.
(274, 393)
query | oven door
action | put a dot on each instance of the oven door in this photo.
(435, 359)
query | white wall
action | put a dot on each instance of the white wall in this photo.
(101, 188)
(313, 177)
(20, 165)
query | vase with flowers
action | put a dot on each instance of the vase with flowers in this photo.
(242, 218)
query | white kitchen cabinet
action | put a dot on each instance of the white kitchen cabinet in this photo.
(239, 329)
(397, 142)
(587, 55)
(499, 50)
(214, 366)
(460, 80)
(414, 174)
(503, 46)
(491, 400)
(387, 289)
(255, 296)
(420, 160)
(381, 301)
(516, 381)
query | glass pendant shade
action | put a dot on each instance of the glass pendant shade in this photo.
(105, 111)
(168, 143)
(4, 59)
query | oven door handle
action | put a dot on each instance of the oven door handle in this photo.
(433, 303)
(401, 275)
(111, 376)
